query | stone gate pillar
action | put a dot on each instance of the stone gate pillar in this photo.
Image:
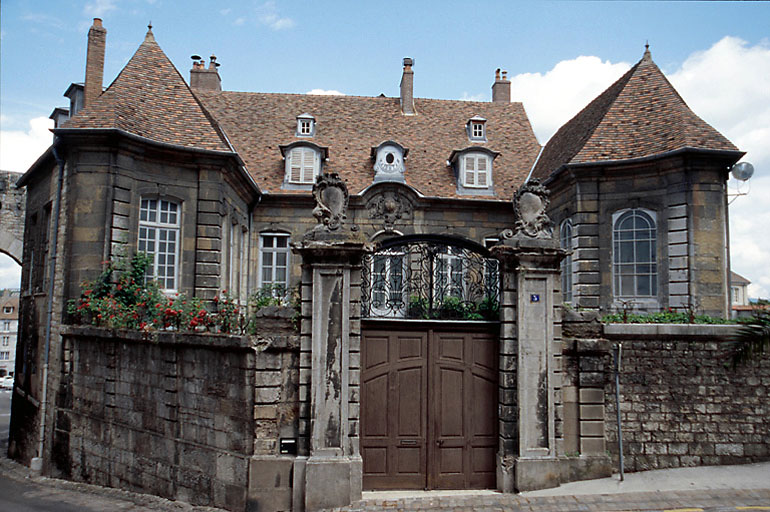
(530, 298)
(331, 276)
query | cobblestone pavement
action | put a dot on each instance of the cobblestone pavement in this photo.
(721, 500)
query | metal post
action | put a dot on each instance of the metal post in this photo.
(618, 349)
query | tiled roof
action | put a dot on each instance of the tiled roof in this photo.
(257, 124)
(738, 279)
(12, 302)
(150, 98)
(639, 115)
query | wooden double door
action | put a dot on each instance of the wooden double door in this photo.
(429, 408)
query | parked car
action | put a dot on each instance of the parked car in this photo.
(6, 382)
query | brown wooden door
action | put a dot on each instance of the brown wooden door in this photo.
(428, 409)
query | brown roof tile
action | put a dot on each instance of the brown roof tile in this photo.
(639, 115)
(257, 124)
(150, 98)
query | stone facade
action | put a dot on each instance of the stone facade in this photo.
(12, 205)
(686, 195)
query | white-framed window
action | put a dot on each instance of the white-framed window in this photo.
(6, 341)
(476, 169)
(159, 221)
(8, 310)
(274, 262)
(449, 279)
(303, 164)
(477, 129)
(5, 356)
(6, 325)
(566, 243)
(236, 261)
(634, 257)
(388, 284)
(305, 125)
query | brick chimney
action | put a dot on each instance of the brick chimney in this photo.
(205, 79)
(501, 89)
(97, 41)
(407, 88)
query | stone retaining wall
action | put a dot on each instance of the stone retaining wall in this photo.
(161, 413)
(682, 404)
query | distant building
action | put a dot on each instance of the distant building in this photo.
(739, 296)
(9, 326)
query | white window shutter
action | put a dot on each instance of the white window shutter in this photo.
(481, 175)
(295, 163)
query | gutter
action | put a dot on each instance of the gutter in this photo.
(674, 152)
(37, 462)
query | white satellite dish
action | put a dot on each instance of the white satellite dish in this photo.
(742, 171)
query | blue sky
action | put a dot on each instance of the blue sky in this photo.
(559, 55)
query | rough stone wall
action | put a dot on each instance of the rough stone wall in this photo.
(681, 405)
(12, 207)
(164, 413)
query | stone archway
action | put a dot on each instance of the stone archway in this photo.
(12, 208)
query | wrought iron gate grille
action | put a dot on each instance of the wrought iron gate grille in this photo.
(430, 279)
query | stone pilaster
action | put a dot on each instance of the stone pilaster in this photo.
(530, 276)
(330, 339)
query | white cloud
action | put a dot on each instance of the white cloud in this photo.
(19, 149)
(325, 92)
(267, 14)
(726, 85)
(553, 98)
(10, 272)
(225, 12)
(474, 97)
(98, 8)
(239, 21)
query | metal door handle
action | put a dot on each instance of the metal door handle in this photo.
(439, 442)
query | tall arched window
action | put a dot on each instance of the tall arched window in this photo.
(634, 261)
(159, 238)
(565, 239)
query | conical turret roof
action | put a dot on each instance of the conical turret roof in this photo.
(640, 115)
(150, 98)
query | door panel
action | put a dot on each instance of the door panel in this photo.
(429, 409)
(393, 410)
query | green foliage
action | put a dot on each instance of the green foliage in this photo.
(752, 339)
(453, 308)
(667, 316)
(269, 295)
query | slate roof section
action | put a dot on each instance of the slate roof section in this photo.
(258, 123)
(736, 279)
(150, 98)
(640, 115)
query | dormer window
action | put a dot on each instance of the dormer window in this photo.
(473, 168)
(476, 128)
(389, 159)
(305, 125)
(303, 163)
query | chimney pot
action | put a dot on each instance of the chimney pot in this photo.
(205, 79)
(501, 89)
(407, 88)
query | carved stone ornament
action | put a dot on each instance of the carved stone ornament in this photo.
(390, 207)
(331, 198)
(529, 205)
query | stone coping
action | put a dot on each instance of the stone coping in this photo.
(190, 339)
(714, 332)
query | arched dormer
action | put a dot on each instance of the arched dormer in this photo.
(473, 170)
(389, 163)
(304, 161)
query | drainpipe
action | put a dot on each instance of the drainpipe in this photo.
(618, 350)
(37, 462)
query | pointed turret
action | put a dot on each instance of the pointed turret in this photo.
(150, 98)
(640, 115)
